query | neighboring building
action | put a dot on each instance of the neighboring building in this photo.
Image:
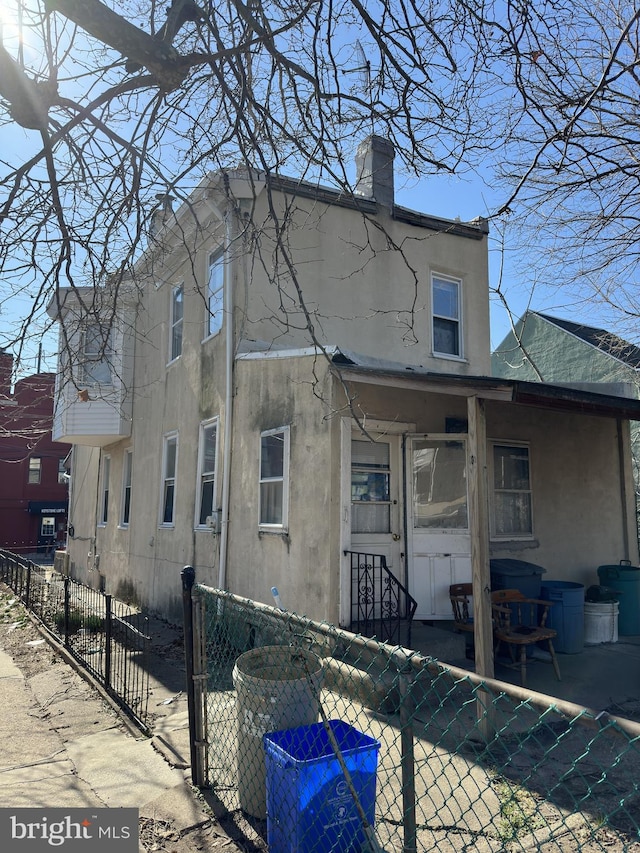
(33, 483)
(223, 414)
(548, 349)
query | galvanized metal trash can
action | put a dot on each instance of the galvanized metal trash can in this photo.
(278, 688)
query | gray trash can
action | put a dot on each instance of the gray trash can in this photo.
(277, 688)
(516, 574)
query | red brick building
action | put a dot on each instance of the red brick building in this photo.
(33, 485)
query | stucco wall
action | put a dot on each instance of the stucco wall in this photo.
(365, 285)
(579, 504)
(303, 562)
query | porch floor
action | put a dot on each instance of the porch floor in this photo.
(602, 677)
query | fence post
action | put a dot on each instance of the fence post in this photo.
(407, 762)
(66, 612)
(200, 777)
(188, 575)
(27, 595)
(107, 641)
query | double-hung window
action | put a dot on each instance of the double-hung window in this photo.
(274, 479)
(176, 322)
(215, 293)
(97, 356)
(169, 469)
(512, 497)
(127, 468)
(104, 489)
(35, 470)
(207, 452)
(446, 315)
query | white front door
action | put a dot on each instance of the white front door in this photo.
(376, 508)
(439, 544)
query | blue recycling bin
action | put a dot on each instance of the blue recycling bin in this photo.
(566, 614)
(309, 804)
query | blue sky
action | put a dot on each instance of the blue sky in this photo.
(448, 197)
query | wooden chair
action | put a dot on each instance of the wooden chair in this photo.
(462, 606)
(521, 622)
(461, 595)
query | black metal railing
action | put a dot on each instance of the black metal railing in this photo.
(381, 606)
(109, 638)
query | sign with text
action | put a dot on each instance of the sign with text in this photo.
(35, 830)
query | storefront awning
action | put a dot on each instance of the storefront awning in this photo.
(48, 507)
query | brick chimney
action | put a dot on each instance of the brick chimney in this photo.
(374, 171)
(6, 369)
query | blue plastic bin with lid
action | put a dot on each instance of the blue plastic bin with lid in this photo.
(309, 804)
(566, 614)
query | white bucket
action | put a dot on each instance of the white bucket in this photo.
(600, 622)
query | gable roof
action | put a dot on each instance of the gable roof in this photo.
(601, 339)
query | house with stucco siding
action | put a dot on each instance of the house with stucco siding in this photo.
(295, 384)
(542, 348)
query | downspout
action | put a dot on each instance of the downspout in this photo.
(228, 402)
(623, 487)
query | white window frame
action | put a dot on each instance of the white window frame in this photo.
(206, 476)
(215, 295)
(125, 499)
(283, 526)
(502, 537)
(176, 324)
(447, 279)
(48, 525)
(98, 359)
(169, 478)
(34, 471)
(105, 476)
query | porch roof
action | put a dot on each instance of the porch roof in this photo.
(568, 398)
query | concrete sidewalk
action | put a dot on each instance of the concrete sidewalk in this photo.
(64, 745)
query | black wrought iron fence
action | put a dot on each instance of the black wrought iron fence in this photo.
(317, 739)
(108, 637)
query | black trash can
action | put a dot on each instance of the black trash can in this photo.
(516, 574)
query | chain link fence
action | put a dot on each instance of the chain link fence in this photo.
(379, 748)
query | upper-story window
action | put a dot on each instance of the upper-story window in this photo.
(446, 315)
(215, 293)
(176, 321)
(35, 470)
(274, 479)
(97, 355)
(169, 468)
(208, 447)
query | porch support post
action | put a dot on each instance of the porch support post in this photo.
(479, 529)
